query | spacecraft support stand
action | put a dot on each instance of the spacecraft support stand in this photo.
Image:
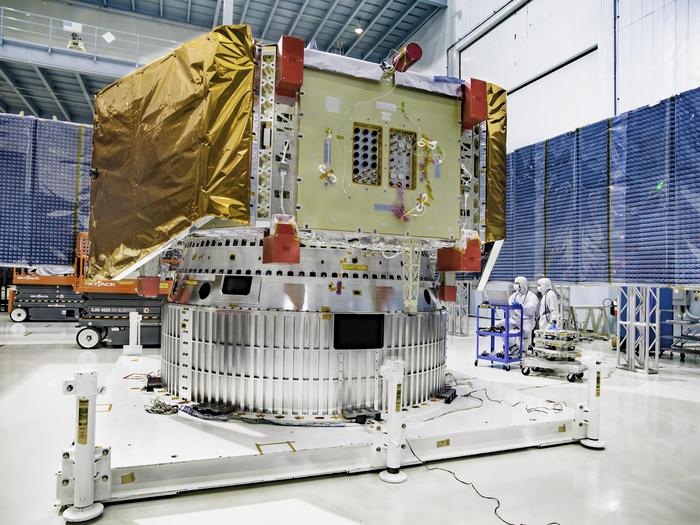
(84, 465)
(592, 410)
(134, 347)
(393, 371)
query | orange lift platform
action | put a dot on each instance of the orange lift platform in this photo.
(101, 307)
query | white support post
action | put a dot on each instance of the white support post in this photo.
(134, 347)
(84, 387)
(185, 350)
(592, 411)
(622, 329)
(227, 17)
(639, 329)
(464, 293)
(264, 121)
(393, 372)
(458, 312)
(564, 293)
(411, 274)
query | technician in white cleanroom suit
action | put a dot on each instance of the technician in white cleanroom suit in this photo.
(529, 302)
(549, 304)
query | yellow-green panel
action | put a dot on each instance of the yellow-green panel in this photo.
(333, 102)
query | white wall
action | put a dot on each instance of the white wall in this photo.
(446, 27)
(536, 39)
(657, 46)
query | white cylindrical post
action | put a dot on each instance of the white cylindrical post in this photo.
(593, 409)
(134, 328)
(84, 387)
(134, 347)
(393, 372)
(227, 17)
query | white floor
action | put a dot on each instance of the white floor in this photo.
(650, 472)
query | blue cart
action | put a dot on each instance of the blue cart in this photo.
(506, 335)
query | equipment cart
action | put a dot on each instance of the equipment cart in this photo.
(494, 333)
(555, 351)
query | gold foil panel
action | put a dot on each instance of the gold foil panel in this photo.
(172, 145)
(496, 124)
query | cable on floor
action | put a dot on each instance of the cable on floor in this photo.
(471, 484)
(481, 403)
(457, 382)
(555, 406)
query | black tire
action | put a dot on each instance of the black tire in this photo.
(580, 375)
(525, 370)
(19, 315)
(571, 378)
(476, 362)
(88, 338)
(506, 367)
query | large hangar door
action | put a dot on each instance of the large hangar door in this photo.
(546, 55)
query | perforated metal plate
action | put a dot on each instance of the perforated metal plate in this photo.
(335, 104)
(402, 159)
(366, 153)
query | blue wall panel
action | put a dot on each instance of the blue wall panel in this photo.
(622, 200)
(687, 187)
(16, 157)
(592, 196)
(45, 198)
(561, 223)
(642, 208)
(523, 250)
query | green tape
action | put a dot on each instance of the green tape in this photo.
(76, 214)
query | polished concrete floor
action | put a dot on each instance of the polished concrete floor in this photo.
(649, 473)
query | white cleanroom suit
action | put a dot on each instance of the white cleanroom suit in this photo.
(529, 302)
(549, 304)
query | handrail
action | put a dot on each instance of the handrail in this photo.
(97, 41)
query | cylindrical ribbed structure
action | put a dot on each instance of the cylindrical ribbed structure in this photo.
(285, 363)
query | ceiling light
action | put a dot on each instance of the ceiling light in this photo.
(109, 37)
(358, 30)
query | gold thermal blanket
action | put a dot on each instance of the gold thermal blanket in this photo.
(171, 146)
(496, 125)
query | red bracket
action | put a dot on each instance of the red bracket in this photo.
(456, 260)
(290, 66)
(148, 286)
(474, 108)
(282, 247)
(447, 293)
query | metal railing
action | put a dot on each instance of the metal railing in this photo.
(54, 34)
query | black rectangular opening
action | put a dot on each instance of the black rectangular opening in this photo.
(358, 331)
(237, 285)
